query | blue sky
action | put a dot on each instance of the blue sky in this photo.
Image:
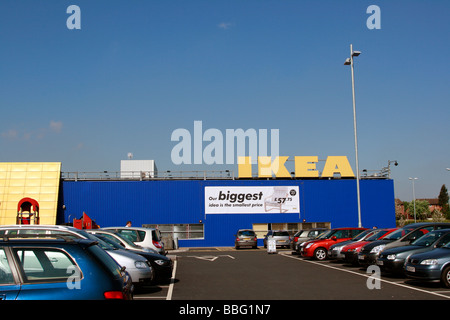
(138, 70)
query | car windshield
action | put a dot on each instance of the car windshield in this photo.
(429, 238)
(102, 244)
(325, 234)
(363, 234)
(377, 235)
(123, 239)
(298, 233)
(397, 234)
(112, 243)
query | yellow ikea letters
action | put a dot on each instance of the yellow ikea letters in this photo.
(305, 167)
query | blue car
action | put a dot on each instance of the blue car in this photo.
(58, 269)
(430, 266)
(392, 260)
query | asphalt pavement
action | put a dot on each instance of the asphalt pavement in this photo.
(226, 274)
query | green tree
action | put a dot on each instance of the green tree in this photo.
(443, 201)
(422, 209)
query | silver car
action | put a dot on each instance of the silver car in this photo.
(123, 241)
(305, 235)
(281, 237)
(245, 238)
(137, 266)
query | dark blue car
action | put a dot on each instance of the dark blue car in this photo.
(58, 269)
(392, 260)
(430, 266)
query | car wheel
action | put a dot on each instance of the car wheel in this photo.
(320, 254)
(445, 277)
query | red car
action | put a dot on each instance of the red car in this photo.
(318, 248)
(351, 251)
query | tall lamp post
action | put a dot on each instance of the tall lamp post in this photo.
(414, 197)
(349, 62)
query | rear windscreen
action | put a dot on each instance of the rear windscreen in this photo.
(248, 233)
(281, 234)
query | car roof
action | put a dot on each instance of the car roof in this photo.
(421, 224)
(441, 230)
(350, 228)
(131, 228)
(101, 231)
(44, 240)
(38, 226)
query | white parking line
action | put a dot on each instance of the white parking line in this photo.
(172, 281)
(367, 276)
(211, 258)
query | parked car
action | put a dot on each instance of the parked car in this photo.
(401, 237)
(318, 248)
(281, 237)
(305, 235)
(162, 265)
(393, 260)
(351, 251)
(245, 238)
(138, 267)
(334, 252)
(57, 269)
(144, 237)
(121, 240)
(430, 266)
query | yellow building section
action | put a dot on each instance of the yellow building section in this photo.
(29, 192)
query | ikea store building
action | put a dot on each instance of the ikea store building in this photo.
(197, 211)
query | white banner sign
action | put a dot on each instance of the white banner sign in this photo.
(278, 199)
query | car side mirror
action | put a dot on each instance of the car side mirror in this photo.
(334, 238)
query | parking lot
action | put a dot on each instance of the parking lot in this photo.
(253, 274)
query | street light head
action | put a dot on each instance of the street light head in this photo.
(347, 62)
(356, 53)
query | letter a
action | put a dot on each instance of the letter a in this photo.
(74, 21)
(374, 21)
(373, 282)
(181, 153)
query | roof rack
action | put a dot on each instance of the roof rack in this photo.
(68, 238)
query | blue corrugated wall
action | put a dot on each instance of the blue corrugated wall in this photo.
(112, 203)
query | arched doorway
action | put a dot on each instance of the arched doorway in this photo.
(27, 211)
